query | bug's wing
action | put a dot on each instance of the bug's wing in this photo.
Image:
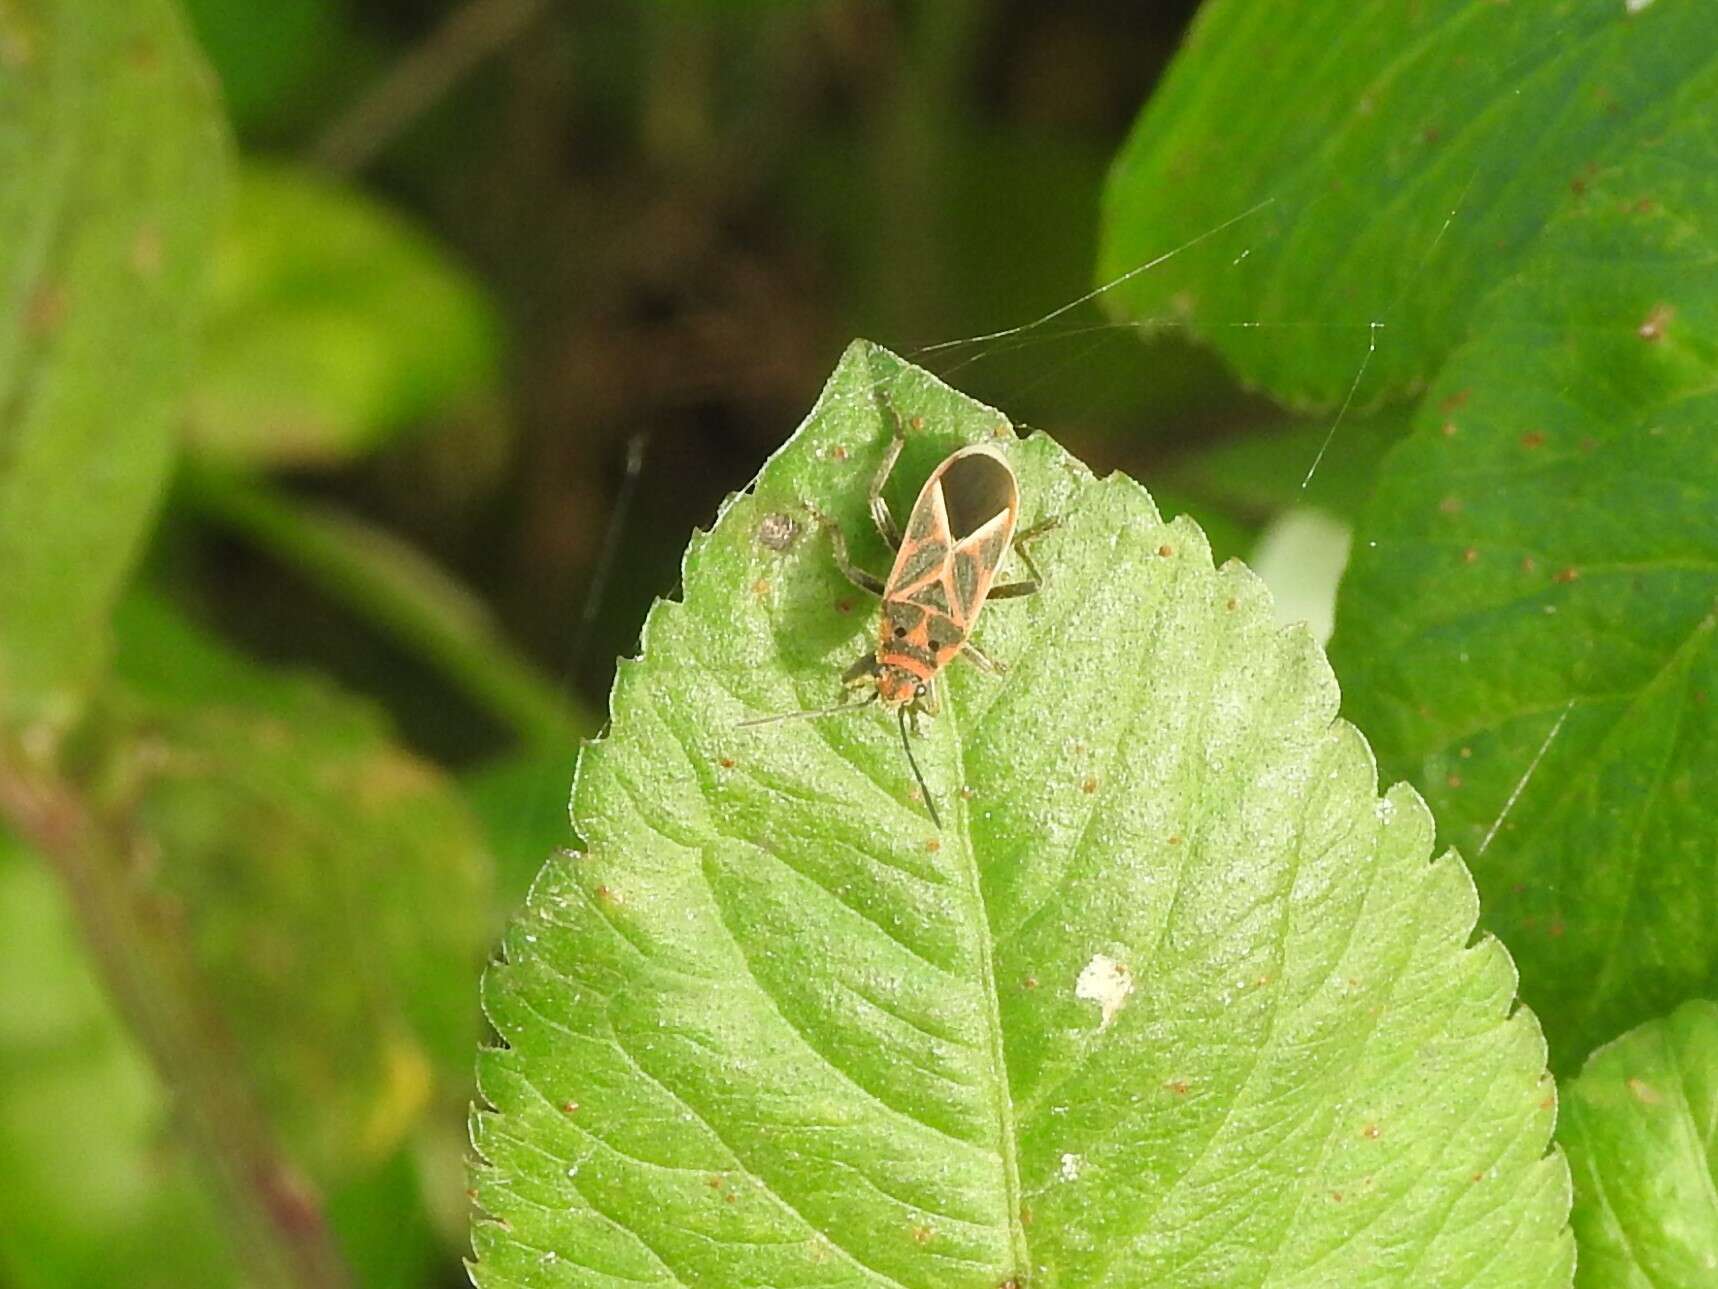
(982, 501)
(925, 545)
(973, 564)
(977, 485)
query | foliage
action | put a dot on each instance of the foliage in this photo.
(328, 493)
(1639, 1136)
(1383, 169)
(1171, 976)
(110, 166)
(332, 325)
(1542, 572)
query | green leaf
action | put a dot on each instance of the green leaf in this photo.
(333, 888)
(1174, 999)
(1408, 157)
(1323, 464)
(110, 164)
(92, 1197)
(266, 55)
(335, 324)
(1637, 1125)
(1528, 627)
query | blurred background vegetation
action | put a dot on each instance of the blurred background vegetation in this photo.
(506, 297)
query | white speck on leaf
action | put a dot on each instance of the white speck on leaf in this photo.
(1635, 6)
(1071, 1167)
(1107, 983)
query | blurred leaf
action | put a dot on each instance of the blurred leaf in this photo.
(264, 54)
(332, 887)
(1174, 999)
(394, 587)
(522, 802)
(110, 164)
(1529, 625)
(95, 1193)
(1637, 1126)
(335, 324)
(1410, 155)
(1260, 474)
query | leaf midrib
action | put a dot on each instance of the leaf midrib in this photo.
(1007, 1133)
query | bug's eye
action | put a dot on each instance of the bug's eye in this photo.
(935, 647)
(919, 690)
(900, 633)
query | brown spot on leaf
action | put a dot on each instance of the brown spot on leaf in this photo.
(1166, 550)
(838, 452)
(1090, 784)
(1450, 430)
(1566, 575)
(1533, 439)
(727, 763)
(1454, 780)
(146, 252)
(1470, 556)
(1450, 505)
(1455, 400)
(1642, 1091)
(777, 531)
(45, 309)
(1653, 328)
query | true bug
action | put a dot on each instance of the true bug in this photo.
(959, 532)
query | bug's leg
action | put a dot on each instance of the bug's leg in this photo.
(879, 504)
(983, 661)
(1023, 548)
(863, 672)
(925, 708)
(856, 575)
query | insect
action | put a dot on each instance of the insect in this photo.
(959, 532)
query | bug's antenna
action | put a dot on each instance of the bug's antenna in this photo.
(801, 716)
(907, 743)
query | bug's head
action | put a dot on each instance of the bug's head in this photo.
(897, 686)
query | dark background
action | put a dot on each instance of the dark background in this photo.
(682, 213)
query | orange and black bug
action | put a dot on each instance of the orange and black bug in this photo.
(960, 530)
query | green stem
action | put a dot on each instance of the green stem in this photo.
(392, 585)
